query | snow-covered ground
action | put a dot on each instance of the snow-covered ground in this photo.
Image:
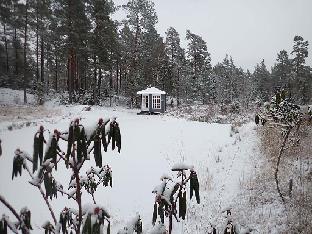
(223, 159)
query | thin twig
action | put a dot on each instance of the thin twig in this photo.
(43, 195)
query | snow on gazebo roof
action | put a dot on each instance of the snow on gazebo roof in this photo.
(151, 90)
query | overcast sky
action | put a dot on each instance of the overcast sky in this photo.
(248, 30)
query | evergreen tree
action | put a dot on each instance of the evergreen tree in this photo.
(281, 71)
(302, 73)
(227, 79)
(141, 20)
(5, 18)
(75, 26)
(176, 57)
(40, 19)
(199, 61)
(262, 79)
(300, 52)
(126, 39)
(104, 44)
(153, 57)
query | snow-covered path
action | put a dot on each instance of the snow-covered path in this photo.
(150, 145)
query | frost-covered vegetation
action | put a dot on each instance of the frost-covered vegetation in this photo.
(84, 218)
(247, 133)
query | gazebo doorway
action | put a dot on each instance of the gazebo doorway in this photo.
(145, 102)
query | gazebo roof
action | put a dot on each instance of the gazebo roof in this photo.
(151, 90)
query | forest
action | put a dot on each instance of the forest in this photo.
(77, 49)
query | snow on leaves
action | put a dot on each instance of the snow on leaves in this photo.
(94, 219)
(169, 192)
(281, 111)
(134, 225)
(87, 219)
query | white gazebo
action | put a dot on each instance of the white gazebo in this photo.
(153, 100)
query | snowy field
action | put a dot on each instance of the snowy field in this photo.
(223, 159)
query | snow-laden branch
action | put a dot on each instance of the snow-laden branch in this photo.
(7, 204)
(42, 192)
(11, 225)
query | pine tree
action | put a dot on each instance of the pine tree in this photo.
(40, 19)
(262, 79)
(5, 18)
(199, 61)
(227, 79)
(104, 44)
(141, 20)
(302, 73)
(75, 26)
(176, 56)
(281, 71)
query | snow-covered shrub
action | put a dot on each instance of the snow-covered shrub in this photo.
(87, 219)
(280, 194)
(170, 196)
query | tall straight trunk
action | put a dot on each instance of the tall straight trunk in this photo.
(67, 86)
(6, 49)
(16, 52)
(120, 78)
(94, 80)
(25, 53)
(56, 73)
(72, 73)
(37, 43)
(71, 52)
(85, 75)
(99, 82)
(77, 75)
(178, 87)
(15, 47)
(42, 59)
(117, 76)
(111, 80)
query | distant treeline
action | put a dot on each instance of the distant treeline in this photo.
(76, 46)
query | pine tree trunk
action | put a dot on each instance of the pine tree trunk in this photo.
(37, 44)
(16, 53)
(120, 80)
(99, 82)
(56, 73)
(76, 75)
(85, 76)
(117, 76)
(111, 80)
(42, 60)
(178, 88)
(25, 53)
(94, 80)
(67, 86)
(6, 49)
(71, 73)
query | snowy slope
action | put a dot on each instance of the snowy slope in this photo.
(150, 146)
